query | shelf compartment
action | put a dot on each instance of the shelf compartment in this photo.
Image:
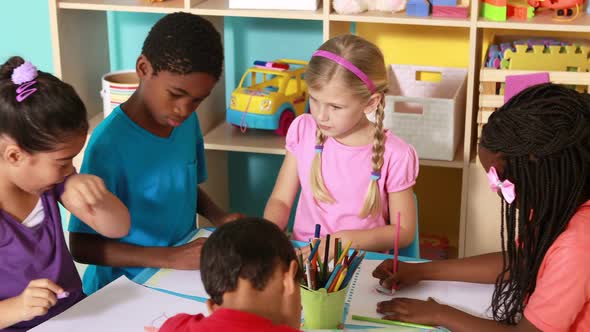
(226, 137)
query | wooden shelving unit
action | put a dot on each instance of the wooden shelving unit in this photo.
(226, 137)
(80, 45)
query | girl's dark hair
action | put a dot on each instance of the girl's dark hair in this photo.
(543, 134)
(46, 117)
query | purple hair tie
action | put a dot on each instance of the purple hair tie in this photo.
(319, 148)
(375, 176)
(24, 76)
(348, 65)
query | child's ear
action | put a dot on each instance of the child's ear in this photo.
(13, 154)
(289, 282)
(374, 102)
(143, 67)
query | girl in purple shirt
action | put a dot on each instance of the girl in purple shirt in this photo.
(43, 126)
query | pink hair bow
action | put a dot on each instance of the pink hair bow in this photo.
(506, 187)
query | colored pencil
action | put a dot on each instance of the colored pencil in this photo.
(326, 258)
(391, 322)
(314, 249)
(341, 279)
(308, 274)
(332, 276)
(336, 249)
(344, 252)
(353, 267)
(333, 285)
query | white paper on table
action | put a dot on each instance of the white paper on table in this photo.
(181, 281)
(122, 305)
(363, 298)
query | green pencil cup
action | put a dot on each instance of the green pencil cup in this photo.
(323, 310)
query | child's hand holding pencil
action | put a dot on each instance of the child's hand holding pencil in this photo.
(408, 274)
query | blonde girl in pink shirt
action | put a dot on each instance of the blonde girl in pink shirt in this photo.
(354, 175)
(536, 151)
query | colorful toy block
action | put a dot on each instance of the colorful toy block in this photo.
(494, 13)
(498, 3)
(444, 3)
(418, 8)
(450, 11)
(519, 11)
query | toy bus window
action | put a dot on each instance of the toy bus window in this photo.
(293, 86)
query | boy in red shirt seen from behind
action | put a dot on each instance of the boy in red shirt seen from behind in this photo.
(250, 271)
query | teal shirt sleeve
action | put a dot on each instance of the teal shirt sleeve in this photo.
(101, 163)
(201, 162)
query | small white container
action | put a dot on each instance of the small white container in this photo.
(427, 114)
(117, 87)
(274, 4)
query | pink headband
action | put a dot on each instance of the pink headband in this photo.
(24, 76)
(348, 65)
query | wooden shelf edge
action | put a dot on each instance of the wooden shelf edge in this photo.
(119, 8)
(256, 13)
(225, 138)
(221, 8)
(402, 19)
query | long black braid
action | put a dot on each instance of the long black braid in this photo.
(543, 134)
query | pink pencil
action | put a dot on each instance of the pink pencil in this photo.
(396, 245)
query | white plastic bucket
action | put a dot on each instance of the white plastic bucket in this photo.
(117, 87)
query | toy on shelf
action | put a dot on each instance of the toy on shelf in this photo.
(449, 8)
(539, 54)
(500, 10)
(420, 8)
(270, 95)
(513, 63)
(551, 57)
(348, 7)
(563, 8)
(520, 10)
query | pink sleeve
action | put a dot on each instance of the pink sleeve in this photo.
(561, 291)
(403, 169)
(180, 322)
(296, 133)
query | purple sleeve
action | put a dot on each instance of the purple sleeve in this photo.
(59, 188)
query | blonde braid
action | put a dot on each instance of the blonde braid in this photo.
(372, 205)
(318, 187)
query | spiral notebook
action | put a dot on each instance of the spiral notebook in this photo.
(362, 297)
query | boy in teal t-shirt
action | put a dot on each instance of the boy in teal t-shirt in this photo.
(150, 154)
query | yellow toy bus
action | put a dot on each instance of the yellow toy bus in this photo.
(270, 95)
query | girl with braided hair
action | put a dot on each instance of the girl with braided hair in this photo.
(354, 175)
(536, 151)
